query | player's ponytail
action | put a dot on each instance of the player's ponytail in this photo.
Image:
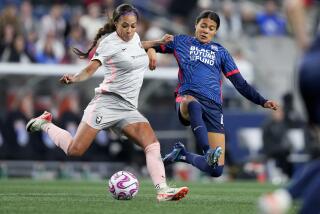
(109, 27)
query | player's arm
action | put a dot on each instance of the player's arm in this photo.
(167, 47)
(248, 91)
(163, 41)
(152, 58)
(150, 47)
(152, 54)
(83, 75)
(231, 71)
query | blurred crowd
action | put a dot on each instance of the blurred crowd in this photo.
(36, 31)
(39, 32)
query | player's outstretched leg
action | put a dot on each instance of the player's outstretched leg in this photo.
(35, 124)
(59, 136)
(176, 155)
(172, 194)
(157, 172)
(198, 125)
(207, 163)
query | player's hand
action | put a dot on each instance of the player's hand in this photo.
(152, 58)
(67, 79)
(271, 105)
(166, 39)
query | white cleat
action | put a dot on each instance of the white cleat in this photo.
(172, 194)
(277, 202)
(35, 124)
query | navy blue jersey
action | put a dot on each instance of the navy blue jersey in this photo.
(200, 68)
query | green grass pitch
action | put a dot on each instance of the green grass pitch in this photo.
(60, 197)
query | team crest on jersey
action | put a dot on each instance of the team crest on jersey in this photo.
(98, 119)
(96, 54)
(214, 47)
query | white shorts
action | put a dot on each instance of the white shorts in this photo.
(111, 111)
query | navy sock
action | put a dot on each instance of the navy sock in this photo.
(198, 126)
(200, 162)
(297, 187)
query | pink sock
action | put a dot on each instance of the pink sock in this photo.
(155, 165)
(59, 136)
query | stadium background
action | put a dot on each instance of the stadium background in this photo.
(35, 50)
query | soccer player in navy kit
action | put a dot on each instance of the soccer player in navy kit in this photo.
(306, 184)
(198, 95)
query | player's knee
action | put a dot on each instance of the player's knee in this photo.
(151, 147)
(75, 151)
(217, 171)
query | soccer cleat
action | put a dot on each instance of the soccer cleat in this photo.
(213, 155)
(277, 202)
(175, 154)
(35, 124)
(172, 194)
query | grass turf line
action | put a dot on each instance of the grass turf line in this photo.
(29, 196)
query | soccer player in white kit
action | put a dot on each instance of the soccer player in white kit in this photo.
(124, 60)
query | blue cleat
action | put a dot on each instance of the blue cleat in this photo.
(175, 154)
(213, 155)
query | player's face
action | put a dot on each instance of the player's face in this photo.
(206, 29)
(126, 27)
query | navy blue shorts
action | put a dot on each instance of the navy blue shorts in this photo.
(212, 113)
(309, 78)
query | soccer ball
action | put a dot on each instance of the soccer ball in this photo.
(123, 185)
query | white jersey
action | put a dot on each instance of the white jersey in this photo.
(124, 64)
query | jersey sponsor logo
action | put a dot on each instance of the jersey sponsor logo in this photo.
(203, 55)
(123, 49)
(141, 55)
